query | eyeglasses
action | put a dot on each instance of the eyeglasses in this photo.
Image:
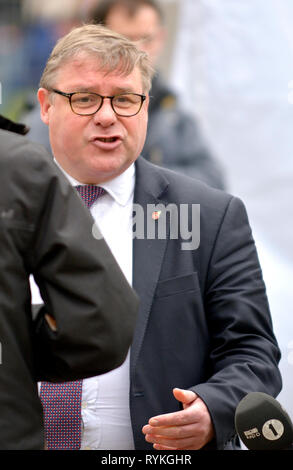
(86, 104)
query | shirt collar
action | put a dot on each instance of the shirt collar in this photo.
(121, 188)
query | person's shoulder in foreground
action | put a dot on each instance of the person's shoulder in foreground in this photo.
(38, 201)
(86, 325)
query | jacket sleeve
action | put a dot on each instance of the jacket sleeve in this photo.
(244, 352)
(83, 289)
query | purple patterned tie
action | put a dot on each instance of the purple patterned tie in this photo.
(62, 401)
(62, 414)
(90, 193)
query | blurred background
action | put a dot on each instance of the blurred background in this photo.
(231, 64)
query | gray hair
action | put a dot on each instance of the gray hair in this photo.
(114, 52)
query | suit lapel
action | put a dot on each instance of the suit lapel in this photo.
(148, 254)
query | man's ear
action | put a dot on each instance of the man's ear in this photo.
(45, 104)
(147, 101)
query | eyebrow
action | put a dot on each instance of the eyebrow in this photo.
(118, 90)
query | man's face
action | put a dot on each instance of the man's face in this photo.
(78, 142)
(144, 27)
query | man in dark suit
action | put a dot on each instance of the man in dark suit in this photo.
(87, 321)
(204, 335)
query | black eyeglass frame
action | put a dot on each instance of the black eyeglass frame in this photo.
(69, 96)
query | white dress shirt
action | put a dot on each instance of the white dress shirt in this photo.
(105, 399)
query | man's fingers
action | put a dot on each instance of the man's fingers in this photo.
(51, 322)
(185, 396)
(188, 429)
(178, 418)
(173, 432)
(190, 443)
(161, 447)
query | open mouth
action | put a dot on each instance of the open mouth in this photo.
(107, 143)
(110, 139)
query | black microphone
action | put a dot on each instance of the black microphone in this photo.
(262, 423)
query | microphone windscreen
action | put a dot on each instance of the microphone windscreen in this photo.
(262, 423)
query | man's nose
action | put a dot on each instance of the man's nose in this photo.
(106, 115)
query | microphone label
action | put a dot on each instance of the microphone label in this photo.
(252, 433)
(273, 429)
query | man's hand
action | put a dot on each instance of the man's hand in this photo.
(51, 322)
(188, 429)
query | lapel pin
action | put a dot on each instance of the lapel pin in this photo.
(156, 215)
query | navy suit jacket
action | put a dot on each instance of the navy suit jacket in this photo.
(204, 322)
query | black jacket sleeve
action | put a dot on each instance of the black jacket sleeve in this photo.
(49, 232)
(82, 288)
